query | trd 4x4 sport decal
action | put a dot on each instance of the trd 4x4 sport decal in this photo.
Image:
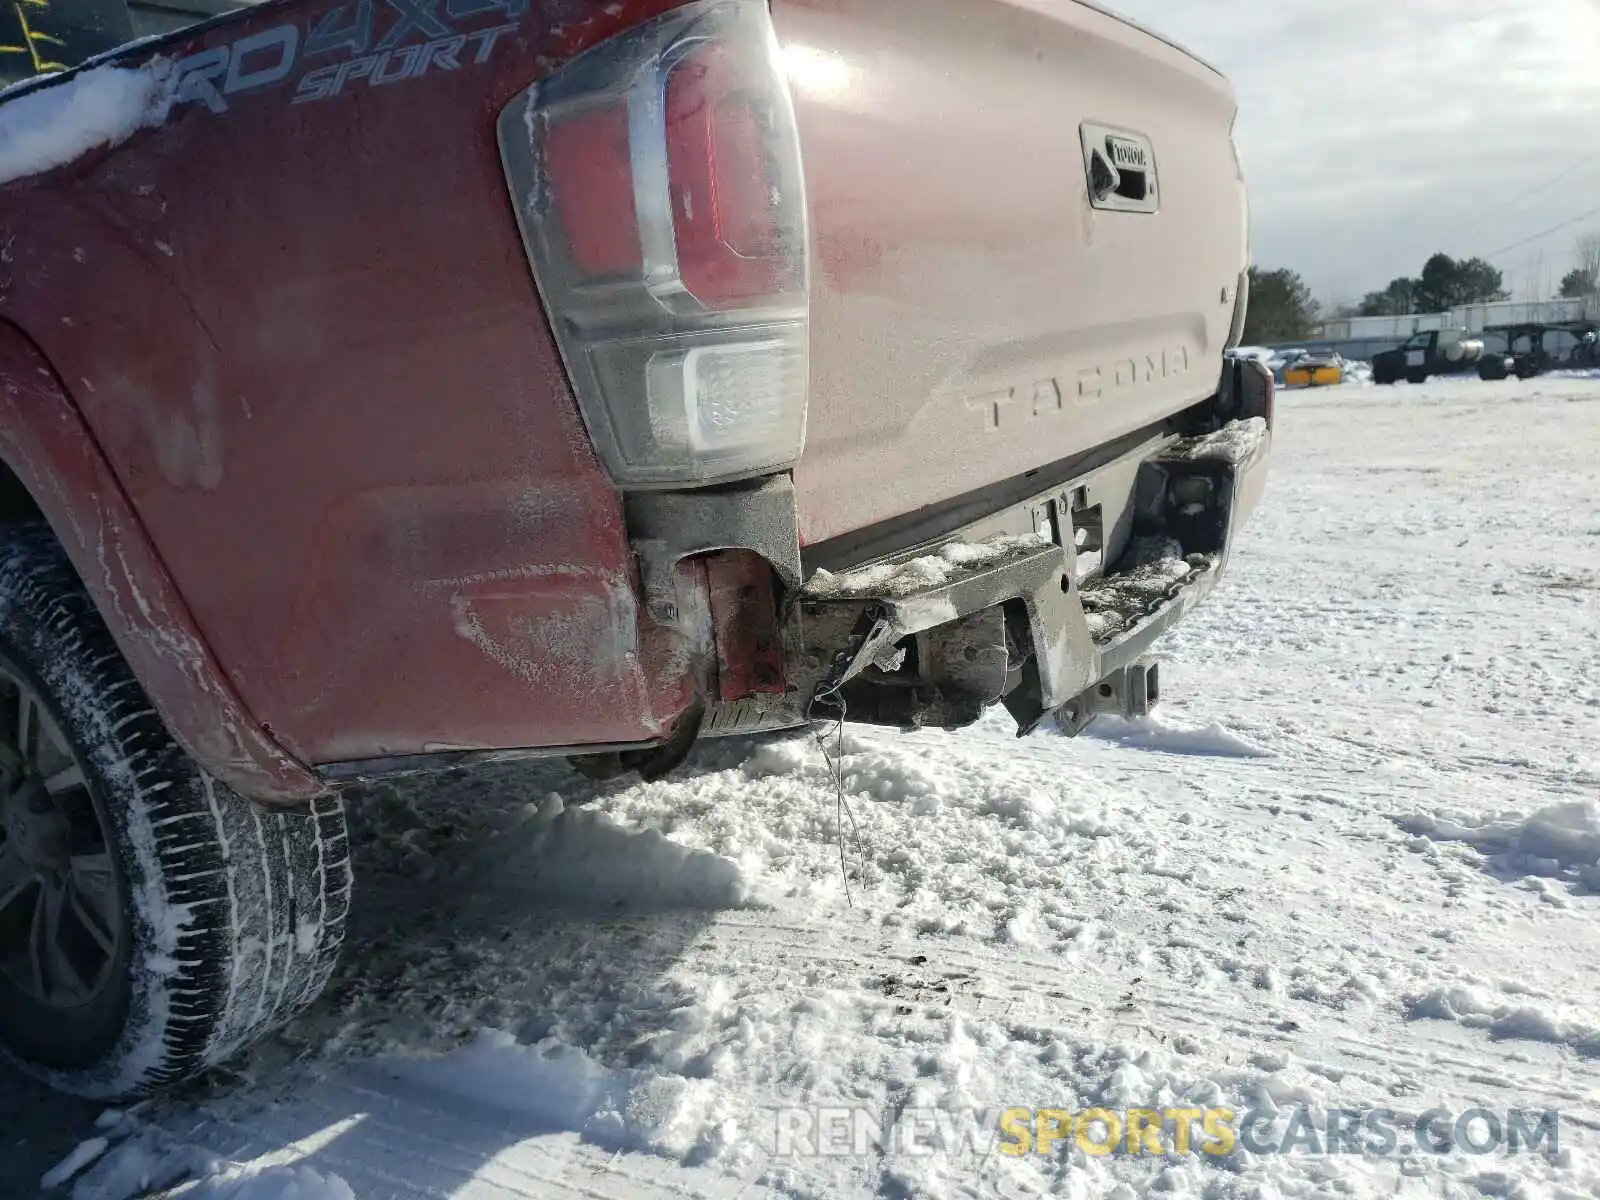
(402, 39)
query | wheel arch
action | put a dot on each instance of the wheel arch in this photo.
(51, 468)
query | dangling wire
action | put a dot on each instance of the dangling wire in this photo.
(832, 696)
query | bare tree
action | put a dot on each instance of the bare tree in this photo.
(1586, 252)
(1537, 284)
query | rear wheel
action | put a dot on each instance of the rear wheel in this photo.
(152, 922)
(1416, 377)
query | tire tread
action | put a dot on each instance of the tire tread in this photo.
(264, 895)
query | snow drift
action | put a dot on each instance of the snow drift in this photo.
(49, 126)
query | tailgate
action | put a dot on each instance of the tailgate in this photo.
(974, 315)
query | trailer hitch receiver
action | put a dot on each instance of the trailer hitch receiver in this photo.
(1130, 692)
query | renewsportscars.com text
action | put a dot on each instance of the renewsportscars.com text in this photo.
(1160, 1132)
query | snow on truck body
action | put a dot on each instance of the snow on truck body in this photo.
(502, 372)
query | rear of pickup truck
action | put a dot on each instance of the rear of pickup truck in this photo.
(959, 286)
(385, 387)
(543, 377)
(1031, 232)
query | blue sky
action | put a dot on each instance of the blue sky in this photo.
(1375, 132)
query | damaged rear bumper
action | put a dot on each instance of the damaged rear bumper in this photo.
(1045, 599)
(1020, 606)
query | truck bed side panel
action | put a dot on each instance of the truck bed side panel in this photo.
(306, 336)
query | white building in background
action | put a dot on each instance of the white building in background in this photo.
(1478, 317)
(1474, 318)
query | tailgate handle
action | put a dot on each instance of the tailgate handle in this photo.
(1121, 168)
(1104, 179)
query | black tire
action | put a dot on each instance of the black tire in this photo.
(1416, 377)
(233, 915)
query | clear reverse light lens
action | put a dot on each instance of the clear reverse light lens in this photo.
(735, 399)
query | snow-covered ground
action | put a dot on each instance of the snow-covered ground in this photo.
(1355, 864)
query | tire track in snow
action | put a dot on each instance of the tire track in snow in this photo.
(1021, 986)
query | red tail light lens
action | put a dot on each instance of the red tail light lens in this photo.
(726, 211)
(658, 186)
(587, 149)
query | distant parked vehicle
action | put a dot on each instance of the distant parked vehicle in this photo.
(1281, 360)
(1535, 348)
(1587, 352)
(1315, 369)
(1436, 352)
(1524, 357)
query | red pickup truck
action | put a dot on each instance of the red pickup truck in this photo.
(391, 385)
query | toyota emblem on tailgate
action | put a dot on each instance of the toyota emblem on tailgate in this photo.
(1121, 167)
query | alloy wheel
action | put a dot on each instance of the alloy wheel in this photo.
(61, 913)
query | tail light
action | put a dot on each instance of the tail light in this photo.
(1241, 309)
(1258, 392)
(1248, 390)
(658, 187)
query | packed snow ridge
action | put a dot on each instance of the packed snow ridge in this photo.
(50, 126)
(902, 579)
(583, 859)
(1233, 443)
(1163, 737)
(1507, 1012)
(1554, 841)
